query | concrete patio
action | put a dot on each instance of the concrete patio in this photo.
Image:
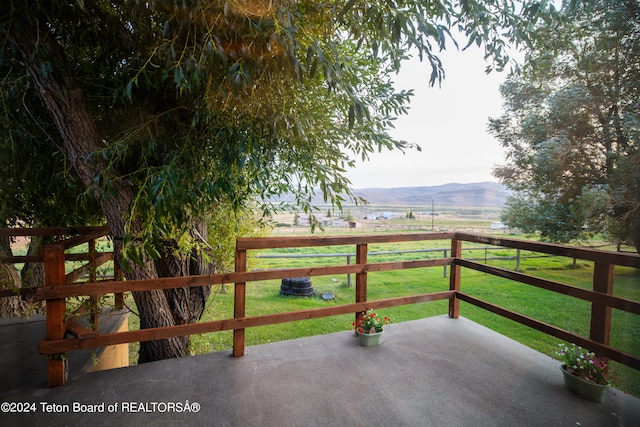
(431, 372)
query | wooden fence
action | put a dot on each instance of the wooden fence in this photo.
(59, 323)
(601, 297)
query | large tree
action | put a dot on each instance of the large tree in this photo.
(166, 110)
(571, 126)
(38, 188)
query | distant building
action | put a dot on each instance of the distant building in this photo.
(499, 226)
(304, 220)
(384, 215)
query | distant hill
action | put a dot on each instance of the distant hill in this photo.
(489, 194)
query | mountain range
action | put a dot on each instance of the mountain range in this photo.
(488, 194)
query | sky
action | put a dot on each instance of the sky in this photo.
(449, 123)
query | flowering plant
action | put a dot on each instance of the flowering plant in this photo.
(585, 364)
(370, 323)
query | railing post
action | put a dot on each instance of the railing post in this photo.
(348, 274)
(603, 274)
(54, 275)
(361, 278)
(454, 279)
(239, 301)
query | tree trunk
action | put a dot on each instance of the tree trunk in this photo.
(66, 103)
(628, 218)
(634, 232)
(32, 273)
(185, 305)
(9, 279)
(32, 276)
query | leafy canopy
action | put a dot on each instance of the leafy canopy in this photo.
(571, 126)
(37, 185)
(207, 103)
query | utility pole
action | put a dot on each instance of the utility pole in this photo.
(433, 215)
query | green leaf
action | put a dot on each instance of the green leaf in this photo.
(127, 90)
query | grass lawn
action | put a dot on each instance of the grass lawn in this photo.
(559, 310)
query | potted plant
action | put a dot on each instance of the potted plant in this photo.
(369, 328)
(584, 373)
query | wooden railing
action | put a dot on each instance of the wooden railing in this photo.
(59, 323)
(68, 237)
(601, 297)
